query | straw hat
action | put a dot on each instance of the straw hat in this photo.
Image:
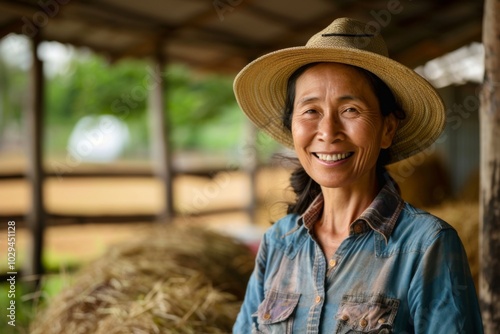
(260, 87)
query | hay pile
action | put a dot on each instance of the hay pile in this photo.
(424, 179)
(174, 280)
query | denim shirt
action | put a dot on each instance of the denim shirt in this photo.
(400, 270)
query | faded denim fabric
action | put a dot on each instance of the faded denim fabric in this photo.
(401, 270)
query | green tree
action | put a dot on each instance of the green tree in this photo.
(200, 107)
(13, 94)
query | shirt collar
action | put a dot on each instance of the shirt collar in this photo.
(381, 215)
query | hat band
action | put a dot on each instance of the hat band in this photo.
(347, 35)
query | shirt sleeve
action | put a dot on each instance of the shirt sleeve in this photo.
(442, 297)
(246, 322)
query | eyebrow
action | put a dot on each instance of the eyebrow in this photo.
(351, 97)
(307, 99)
(341, 98)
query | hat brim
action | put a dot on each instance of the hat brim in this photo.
(260, 90)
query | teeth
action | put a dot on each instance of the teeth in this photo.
(333, 157)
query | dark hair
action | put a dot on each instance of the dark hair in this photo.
(304, 187)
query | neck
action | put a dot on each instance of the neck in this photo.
(343, 205)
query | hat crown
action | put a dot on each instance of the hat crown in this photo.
(350, 34)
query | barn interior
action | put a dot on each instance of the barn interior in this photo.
(66, 210)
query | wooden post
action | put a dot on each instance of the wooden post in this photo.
(489, 289)
(160, 132)
(36, 217)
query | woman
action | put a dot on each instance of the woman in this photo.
(351, 256)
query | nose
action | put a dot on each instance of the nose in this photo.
(330, 128)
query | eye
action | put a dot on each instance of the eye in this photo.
(350, 112)
(306, 112)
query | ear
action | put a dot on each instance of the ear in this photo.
(389, 130)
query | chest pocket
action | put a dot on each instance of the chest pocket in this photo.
(274, 314)
(366, 314)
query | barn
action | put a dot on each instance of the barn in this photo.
(440, 39)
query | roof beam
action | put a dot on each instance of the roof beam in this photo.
(150, 32)
(13, 26)
(18, 8)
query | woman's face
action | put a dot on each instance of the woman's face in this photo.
(337, 127)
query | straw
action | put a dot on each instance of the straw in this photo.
(175, 279)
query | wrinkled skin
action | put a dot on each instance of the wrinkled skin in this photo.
(336, 113)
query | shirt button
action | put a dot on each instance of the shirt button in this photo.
(358, 228)
(381, 321)
(363, 323)
(332, 263)
(344, 317)
(318, 299)
(267, 316)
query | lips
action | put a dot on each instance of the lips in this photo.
(333, 157)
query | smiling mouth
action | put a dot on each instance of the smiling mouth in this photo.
(333, 157)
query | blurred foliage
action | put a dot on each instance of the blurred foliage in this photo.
(194, 103)
(13, 94)
(200, 107)
(27, 301)
(202, 110)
